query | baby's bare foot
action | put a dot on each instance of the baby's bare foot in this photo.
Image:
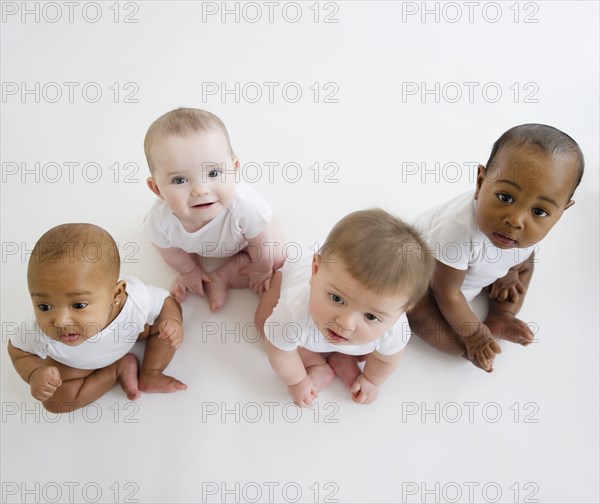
(156, 381)
(345, 366)
(509, 328)
(127, 376)
(216, 291)
(321, 374)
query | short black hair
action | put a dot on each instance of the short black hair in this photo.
(550, 140)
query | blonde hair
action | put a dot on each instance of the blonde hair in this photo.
(181, 122)
(76, 243)
(383, 253)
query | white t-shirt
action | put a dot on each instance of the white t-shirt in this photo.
(143, 305)
(290, 325)
(452, 233)
(224, 236)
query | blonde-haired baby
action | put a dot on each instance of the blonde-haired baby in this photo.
(348, 304)
(86, 320)
(203, 212)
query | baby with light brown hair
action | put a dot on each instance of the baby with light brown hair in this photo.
(348, 304)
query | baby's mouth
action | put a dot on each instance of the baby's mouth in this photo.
(335, 337)
(203, 205)
(69, 337)
(504, 239)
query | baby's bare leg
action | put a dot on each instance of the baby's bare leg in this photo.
(317, 368)
(427, 322)
(345, 366)
(157, 356)
(81, 387)
(226, 277)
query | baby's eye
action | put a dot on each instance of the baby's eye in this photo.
(214, 173)
(505, 198)
(370, 317)
(79, 306)
(44, 307)
(179, 180)
(336, 299)
(539, 212)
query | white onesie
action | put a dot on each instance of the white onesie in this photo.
(143, 305)
(452, 233)
(290, 325)
(224, 236)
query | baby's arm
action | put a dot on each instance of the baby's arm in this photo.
(290, 368)
(191, 274)
(43, 380)
(261, 250)
(169, 323)
(507, 295)
(378, 368)
(446, 283)
(287, 365)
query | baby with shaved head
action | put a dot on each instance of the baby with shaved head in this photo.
(86, 320)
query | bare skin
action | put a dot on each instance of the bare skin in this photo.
(306, 372)
(63, 388)
(507, 295)
(253, 267)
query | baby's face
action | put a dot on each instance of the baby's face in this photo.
(523, 195)
(72, 301)
(195, 175)
(344, 311)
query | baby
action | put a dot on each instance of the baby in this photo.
(350, 301)
(487, 239)
(203, 212)
(87, 319)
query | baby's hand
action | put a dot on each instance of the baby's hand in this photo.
(364, 391)
(508, 287)
(259, 276)
(171, 332)
(483, 347)
(187, 283)
(44, 381)
(303, 393)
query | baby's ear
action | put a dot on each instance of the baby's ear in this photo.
(120, 289)
(570, 204)
(481, 172)
(153, 187)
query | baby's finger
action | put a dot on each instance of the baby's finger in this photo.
(514, 294)
(495, 347)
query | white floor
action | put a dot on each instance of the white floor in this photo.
(381, 114)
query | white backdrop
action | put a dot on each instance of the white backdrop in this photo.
(331, 107)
